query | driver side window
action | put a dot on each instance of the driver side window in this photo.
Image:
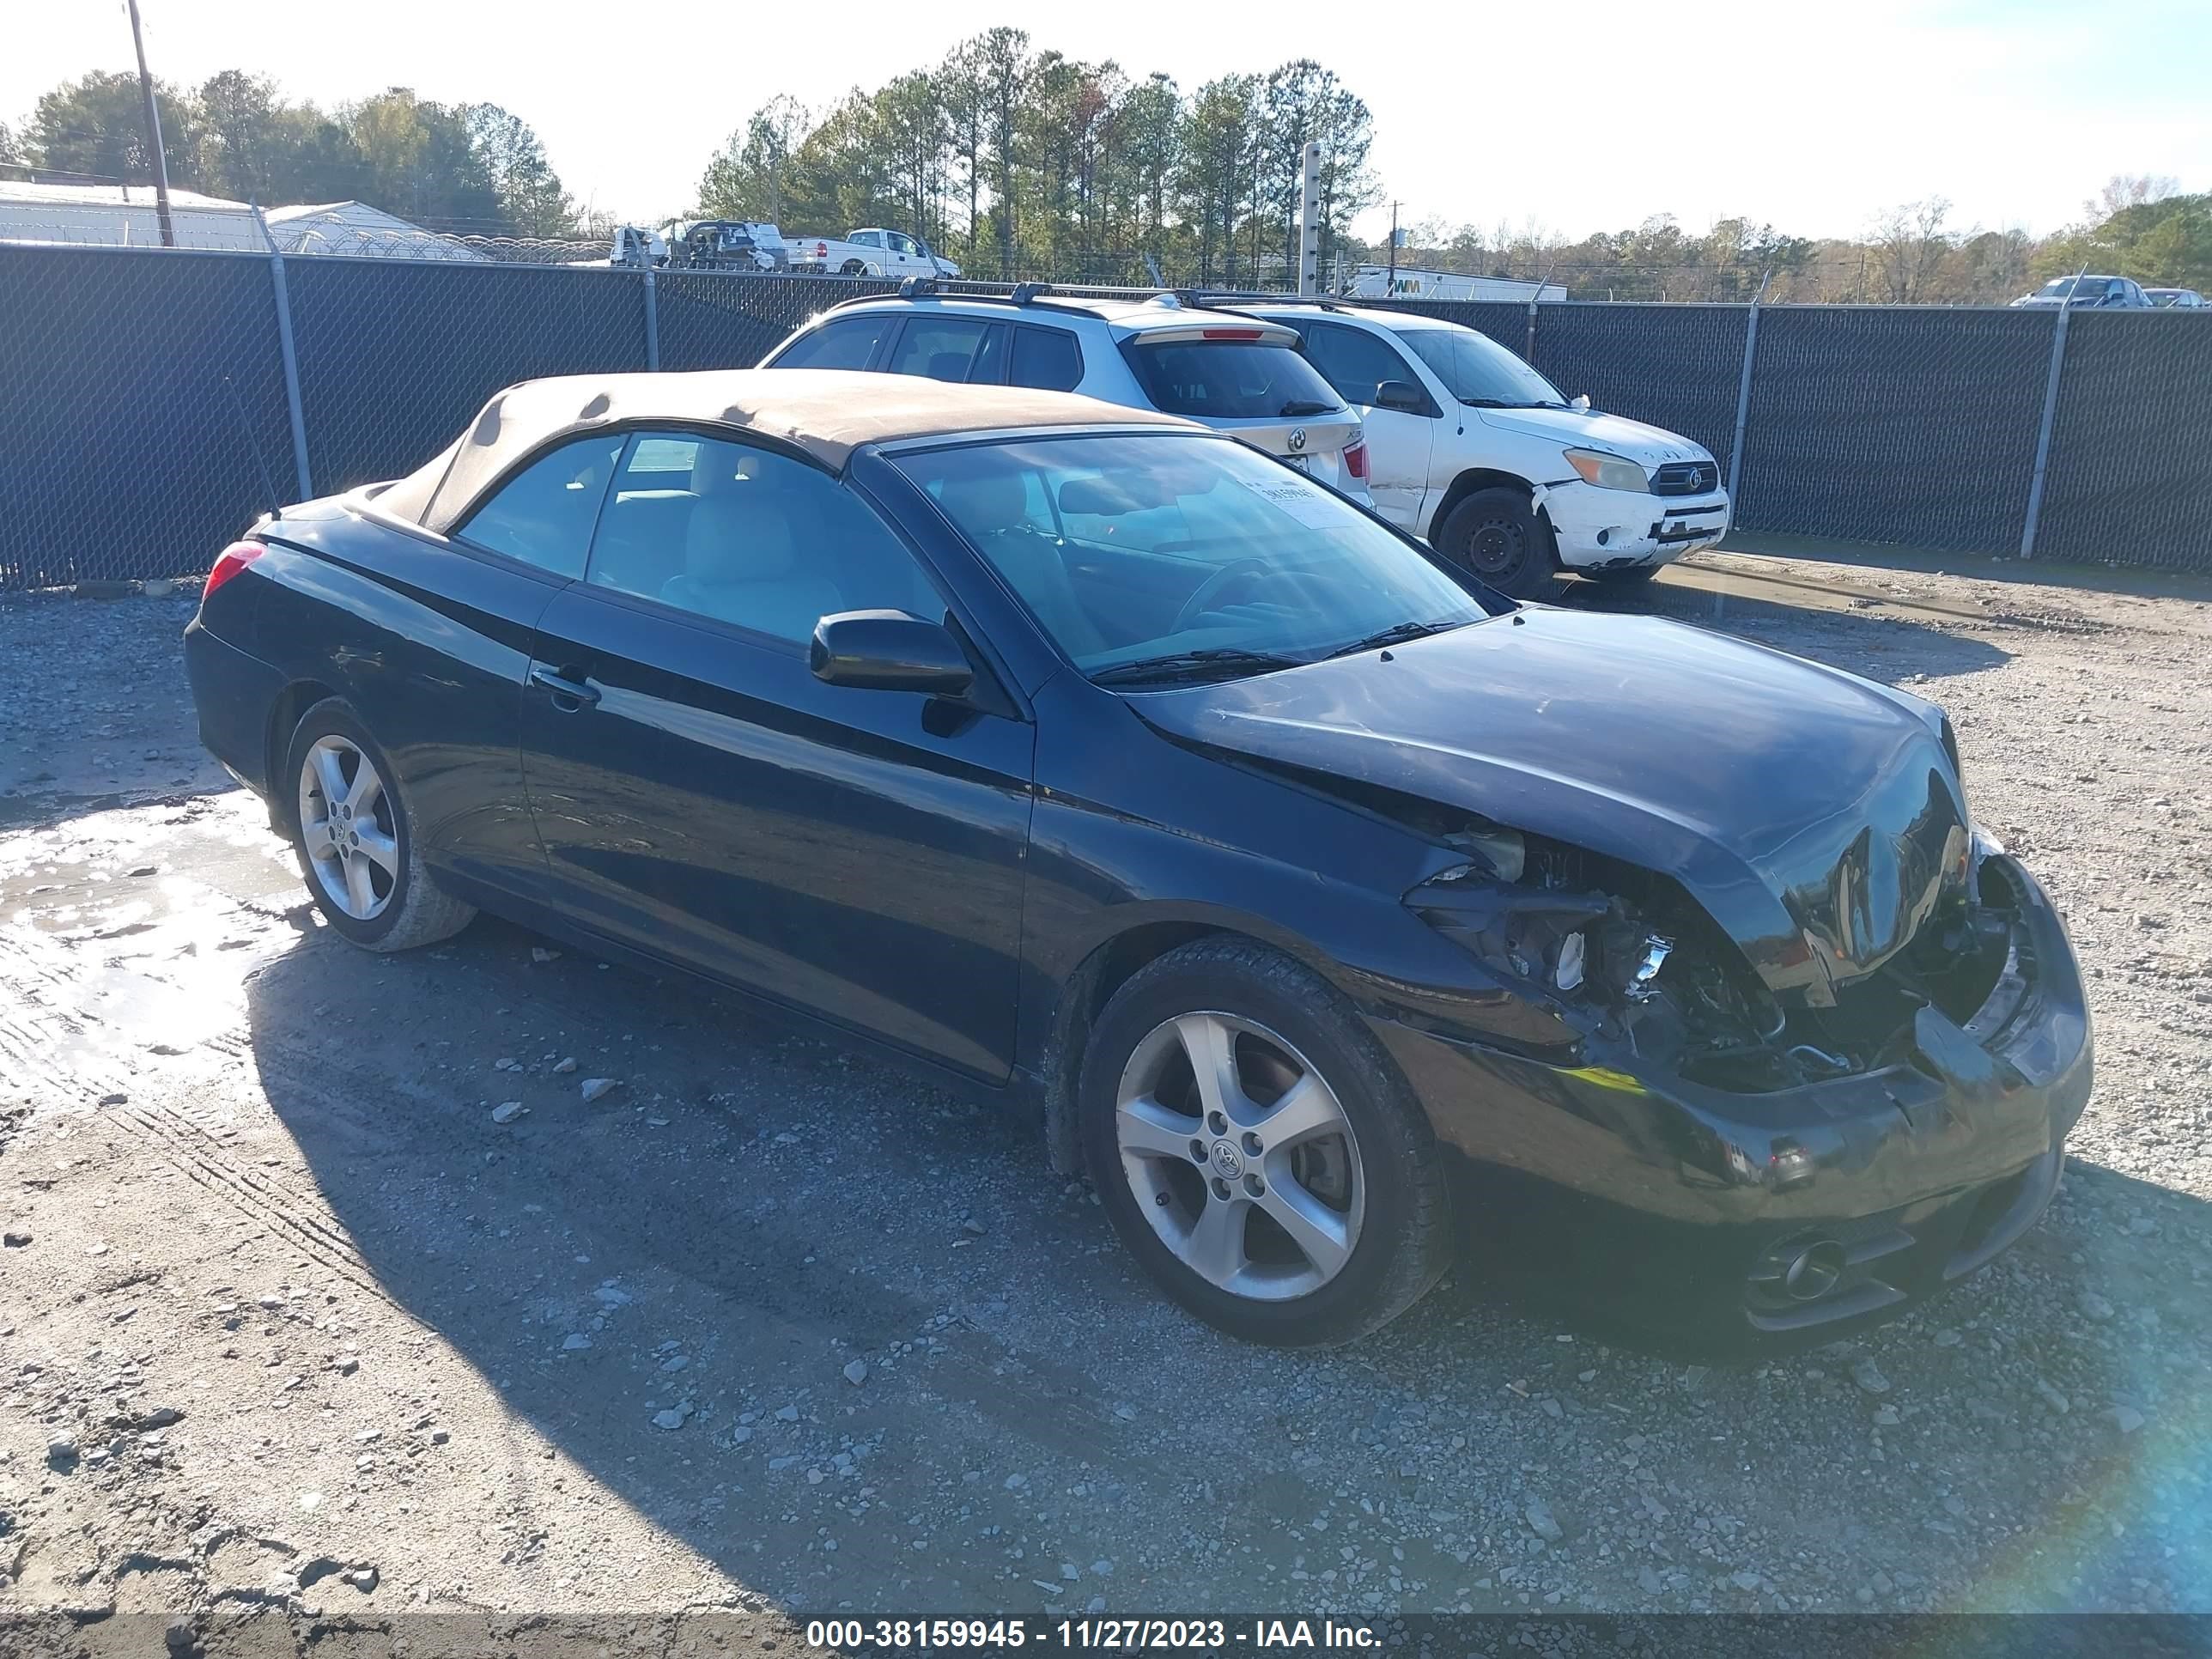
(750, 536)
(1354, 362)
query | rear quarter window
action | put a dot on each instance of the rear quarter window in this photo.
(1048, 359)
(848, 343)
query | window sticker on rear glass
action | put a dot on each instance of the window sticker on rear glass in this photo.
(1303, 502)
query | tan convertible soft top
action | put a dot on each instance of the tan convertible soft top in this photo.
(829, 413)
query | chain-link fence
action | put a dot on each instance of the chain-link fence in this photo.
(143, 392)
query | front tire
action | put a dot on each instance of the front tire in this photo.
(355, 840)
(1257, 1151)
(1496, 535)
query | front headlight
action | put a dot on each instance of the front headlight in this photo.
(1609, 471)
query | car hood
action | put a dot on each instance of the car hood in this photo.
(1589, 429)
(1815, 816)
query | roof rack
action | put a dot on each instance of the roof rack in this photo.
(1038, 294)
(1228, 300)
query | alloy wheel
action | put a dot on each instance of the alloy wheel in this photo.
(347, 829)
(1240, 1155)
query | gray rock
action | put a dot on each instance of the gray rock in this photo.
(2053, 1398)
(1016, 1482)
(363, 1579)
(1868, 1376)
(1538, 1513)
(563, 1068)
(786, 1413)
(575, 1341)
(2126, 1419)
(596, 1088)
(675, 1417)
(856, 1372)
(61, 1450)
(2094, 1306)
(507, 1111)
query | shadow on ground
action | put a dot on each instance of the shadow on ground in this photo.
(765, 1208)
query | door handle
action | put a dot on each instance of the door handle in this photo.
(568, 695)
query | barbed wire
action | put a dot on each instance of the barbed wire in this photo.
(1843, 279)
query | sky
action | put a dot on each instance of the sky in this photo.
(1587, 116)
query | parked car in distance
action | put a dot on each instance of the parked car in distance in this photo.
(2089, 293)
(1241, 375)
(1473, 450)
(871, 253)
(2177, 299)
(1325, 904)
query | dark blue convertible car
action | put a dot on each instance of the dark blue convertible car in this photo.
(1329, 908)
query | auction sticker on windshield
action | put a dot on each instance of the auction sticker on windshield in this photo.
(1299, 500)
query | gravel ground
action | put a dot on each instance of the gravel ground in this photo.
(335, 1289)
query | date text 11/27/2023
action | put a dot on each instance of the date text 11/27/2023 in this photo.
(1089, 1635)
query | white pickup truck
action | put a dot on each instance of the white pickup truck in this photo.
(873, 253)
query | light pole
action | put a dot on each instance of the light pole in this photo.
(153, 135)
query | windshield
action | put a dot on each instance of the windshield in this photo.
(2086, 288)
(1162, 559)
(1476, 369)
(1229, 380)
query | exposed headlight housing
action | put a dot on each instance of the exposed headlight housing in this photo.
(1608, 471)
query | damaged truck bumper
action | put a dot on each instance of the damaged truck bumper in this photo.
(1607, 529)
(1706, 1213)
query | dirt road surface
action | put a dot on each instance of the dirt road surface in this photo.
(329, 1299)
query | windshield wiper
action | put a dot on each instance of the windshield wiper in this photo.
(1192, 665)
(1507, 403)
(1395, 634)
(1304, 406)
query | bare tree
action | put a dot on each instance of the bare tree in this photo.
(1908, 249)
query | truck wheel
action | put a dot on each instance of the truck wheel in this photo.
(851, 268)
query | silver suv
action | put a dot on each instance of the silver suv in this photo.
(1241, 375)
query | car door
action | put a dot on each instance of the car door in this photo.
(1399, 441)
(701, 796)
(437, 664)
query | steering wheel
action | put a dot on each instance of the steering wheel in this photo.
(1214, 585)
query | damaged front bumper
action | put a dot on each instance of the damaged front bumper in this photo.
(1614, 529)
(1802, 1209)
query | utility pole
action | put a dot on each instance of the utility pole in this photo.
(153, 135)
(1392, 286)
(1310, 218)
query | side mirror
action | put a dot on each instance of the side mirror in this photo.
(1402, 395)
(889, 650)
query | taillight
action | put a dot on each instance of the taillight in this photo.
(1229, 334)
(235, 558)
(1355, 460)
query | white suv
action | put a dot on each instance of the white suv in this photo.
(1471, 448)
(1239, 375)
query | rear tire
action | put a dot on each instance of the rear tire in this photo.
(1326, 1215)
(1496, 536)
(353, 836)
